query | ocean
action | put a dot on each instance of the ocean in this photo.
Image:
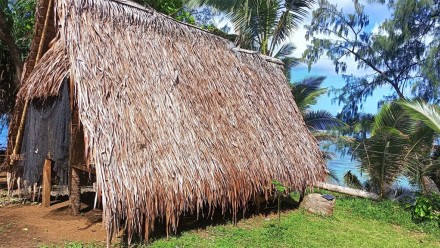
(340, 164)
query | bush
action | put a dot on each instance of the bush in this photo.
(427, 208)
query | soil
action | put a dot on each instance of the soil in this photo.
(31, 225)
(34, 226)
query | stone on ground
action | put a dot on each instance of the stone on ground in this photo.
(317, 204)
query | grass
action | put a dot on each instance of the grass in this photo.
(356, 223)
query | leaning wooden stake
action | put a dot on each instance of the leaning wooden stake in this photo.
(19, 137)
(348, 191)
(47, 175)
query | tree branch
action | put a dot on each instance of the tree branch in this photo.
(395, 85)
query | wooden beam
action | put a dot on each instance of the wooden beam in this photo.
(47, 182)
(84, 167)
(267, 58)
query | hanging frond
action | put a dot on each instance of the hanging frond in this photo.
(421, 111)
(307, 92)
(352, 181)
(321, 120)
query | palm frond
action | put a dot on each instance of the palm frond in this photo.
(392, 115)
(421, 111)
(352, 181)
(382, 156)
(286, 50)
(365, 123)
(283, 28)
(307, 91)
(289, 63)
(299, 9)
(222, 5)
(332, 175)
(321, 120)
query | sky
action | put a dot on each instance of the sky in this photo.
(377, 13)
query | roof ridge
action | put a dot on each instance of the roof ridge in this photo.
(233, 48)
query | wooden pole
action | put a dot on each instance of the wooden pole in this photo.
(75, 191)
(47, 184)
(20, 131)
(19, 137)
(34, 192)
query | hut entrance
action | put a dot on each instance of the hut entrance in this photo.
(53, 132)
(47, 135)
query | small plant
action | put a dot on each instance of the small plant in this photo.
(280, 189)
(427, 208)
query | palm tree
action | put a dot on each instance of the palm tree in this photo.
(397, 146)
(264, 25)
(306, 94)
(429, 115)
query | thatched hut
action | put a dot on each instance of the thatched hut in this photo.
(173, 118)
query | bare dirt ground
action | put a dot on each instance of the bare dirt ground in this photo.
(26, 225)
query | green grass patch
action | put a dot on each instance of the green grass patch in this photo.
(356, 223)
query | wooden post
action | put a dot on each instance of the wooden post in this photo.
(47, 184)
(75, 191)
(34, 192)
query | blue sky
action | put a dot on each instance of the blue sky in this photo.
(377, 13)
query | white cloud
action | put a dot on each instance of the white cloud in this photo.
(378, 13)
(376, 28)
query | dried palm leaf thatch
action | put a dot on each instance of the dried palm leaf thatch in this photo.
(56, 65)
(177, 119)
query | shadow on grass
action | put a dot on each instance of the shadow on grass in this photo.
(191, 222)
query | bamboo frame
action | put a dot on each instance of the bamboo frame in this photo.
(19, 137)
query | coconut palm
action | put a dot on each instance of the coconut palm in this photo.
(306, 94)
(429, 115)
(265, 25)
(397, 146)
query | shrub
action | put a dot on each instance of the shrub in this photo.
(427, 207)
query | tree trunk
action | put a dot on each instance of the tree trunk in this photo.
(348, 191)
(429, 186)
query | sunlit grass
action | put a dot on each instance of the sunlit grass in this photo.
(356, 223)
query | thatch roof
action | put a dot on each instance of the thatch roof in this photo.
(176, 118)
